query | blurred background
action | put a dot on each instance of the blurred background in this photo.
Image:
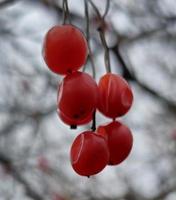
(34, 142)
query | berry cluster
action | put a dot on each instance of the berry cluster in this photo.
(65, 50)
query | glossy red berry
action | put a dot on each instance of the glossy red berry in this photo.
(115, 96)
(77, 98)
(89, 154)
(120, 141)
(65, 49)
(72, 121)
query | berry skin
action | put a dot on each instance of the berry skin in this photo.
(115, 96)
(120, 141)
(65, 49)
(70, 121)
(89, 154)
(77, 98)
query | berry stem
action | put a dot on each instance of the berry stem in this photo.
(73, 126)
(106, 49)
(94, 121)
(90, 56)
(66, 13)
(102, 33)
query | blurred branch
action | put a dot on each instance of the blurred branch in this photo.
(90, 56)
(27, 114)
(7, 3)
(7, 163)
(9, 127)
(106, 9)
(164, 193)
(149, 33)
(29, 190)
(131, 76)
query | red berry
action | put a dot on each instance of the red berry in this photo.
(70, 121)
(77, 98)
(120, 141)
(89, 154)
(64, 49)
(115, 96)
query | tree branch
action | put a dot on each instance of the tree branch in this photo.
(131, 76)
(30, 192)
(5, 3)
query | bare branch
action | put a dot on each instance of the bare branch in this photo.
(107, 8)
(131, 76)
(7, 3)
(7, 162)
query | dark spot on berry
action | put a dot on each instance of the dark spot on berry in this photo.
(110, 162)
(75, 116)
(69, 71)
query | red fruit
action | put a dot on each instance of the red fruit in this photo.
(72, 121)
(65, 49)
(115, 96)
(77, 98)
(89, 154)
(120, 141)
